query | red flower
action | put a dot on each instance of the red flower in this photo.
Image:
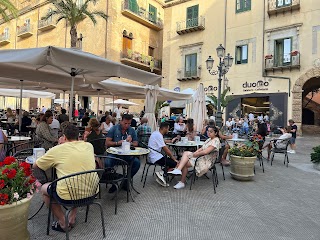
(2, 184)
(11, 173)
(1, 164)
(32, 179)
(26, 168)
(4, 198)
(9, 160)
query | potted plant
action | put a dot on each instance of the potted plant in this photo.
(315, 157)
(294, 53)
(242, 158)
(270, 56)
(16, 188)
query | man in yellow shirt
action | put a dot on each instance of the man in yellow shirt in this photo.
(68, 158)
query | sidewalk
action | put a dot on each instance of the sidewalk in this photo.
(282, 203)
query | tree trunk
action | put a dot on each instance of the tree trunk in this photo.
(73, 35)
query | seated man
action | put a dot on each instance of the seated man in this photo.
(280, 144)
(68, 158)
(143, 130)
(157, 143)
(118, 134)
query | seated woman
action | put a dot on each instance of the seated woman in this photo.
(207, 154)
(189, 129)
(280, 144)
(97, 139)
(179, 125)
(106, 125)
(205, 125)
(43, 131)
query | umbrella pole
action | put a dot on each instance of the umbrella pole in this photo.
(20, 110)
(112, 103)
(104, 105)
(98, 102)
(64, 99)
(73, 74)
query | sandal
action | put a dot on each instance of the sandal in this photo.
(56, 227)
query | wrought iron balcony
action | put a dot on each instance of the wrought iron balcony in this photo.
(142, 16)
(289, 62)
(4, 39)
(141, 61)
(286, 5)
(45, 25)
(191, 25)
(24, 31)
(185, 75)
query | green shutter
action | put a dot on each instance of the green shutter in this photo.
(133, 6)
(152, 13)
(191, 65)
(243, 5)
(192, 16)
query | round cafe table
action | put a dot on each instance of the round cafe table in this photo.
(18, 138)
(180, 147)
(138, 151)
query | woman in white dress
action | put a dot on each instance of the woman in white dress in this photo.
(107, 125)
(207, 154)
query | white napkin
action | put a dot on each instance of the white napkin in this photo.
(113, 149)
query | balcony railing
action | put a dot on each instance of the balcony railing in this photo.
(286, 5)
(286, 62)
(142, 16)
(4, 39)
(191, 25)
(45, 25)
(184, 75)
(25, 31)
(141, 61)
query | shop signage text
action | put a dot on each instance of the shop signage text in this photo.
(254, 86)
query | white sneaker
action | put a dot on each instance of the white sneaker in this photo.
(175, 171)
(179, 185)
(161, 183)
(160, 176)
(293, 151)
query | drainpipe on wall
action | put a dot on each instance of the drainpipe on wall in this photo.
(225, 37)
(106, 35)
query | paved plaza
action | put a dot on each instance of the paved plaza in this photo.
(282, 203)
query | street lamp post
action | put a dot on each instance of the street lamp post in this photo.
(225, 62)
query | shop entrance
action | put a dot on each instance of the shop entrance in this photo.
(256, 105)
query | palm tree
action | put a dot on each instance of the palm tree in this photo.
(224, 99)
(6, 7)
(74, 13)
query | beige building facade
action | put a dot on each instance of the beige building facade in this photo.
(132, 35)
(275, 43)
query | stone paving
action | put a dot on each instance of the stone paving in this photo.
(282, 203)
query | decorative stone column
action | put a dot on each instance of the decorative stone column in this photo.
(297, 107)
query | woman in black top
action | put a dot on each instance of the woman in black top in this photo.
(96, 138)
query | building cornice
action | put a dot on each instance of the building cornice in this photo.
(174, 3)
(283, 27)
(191, 45)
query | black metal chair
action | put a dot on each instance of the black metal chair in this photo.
(83, 188)
(25, 145)
(212, 169)
(260, 157)
(116, 175)
(149, 164)
(280, 146)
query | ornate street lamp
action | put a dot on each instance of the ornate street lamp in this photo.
(225, 62)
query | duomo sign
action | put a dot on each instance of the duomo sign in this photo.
(255, 86)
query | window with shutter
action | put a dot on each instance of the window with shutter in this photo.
(242, 54)
(283, 52)
(191, 65)
(133, 6)
(192, 16)
(243, 5)
(282, 3)
(152, 13)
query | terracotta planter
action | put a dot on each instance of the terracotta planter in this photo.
(14, 220)
(242, 168)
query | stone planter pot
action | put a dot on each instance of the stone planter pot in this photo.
(14, 220)
(242, 168)
(316, 166)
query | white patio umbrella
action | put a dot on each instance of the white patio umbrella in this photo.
(150, 105)
(199, 109)
(122, 102)
(53, 64)
(26, 93)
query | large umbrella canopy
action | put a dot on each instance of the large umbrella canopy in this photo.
(26, 93)
(150, 105)
(199, 109)
(53, 64)
(122, 102)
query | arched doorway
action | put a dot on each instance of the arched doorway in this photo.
(305, 84)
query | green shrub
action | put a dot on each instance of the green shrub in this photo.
(315, 156)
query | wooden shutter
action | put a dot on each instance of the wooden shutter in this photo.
(152, 13)
(126, 44)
